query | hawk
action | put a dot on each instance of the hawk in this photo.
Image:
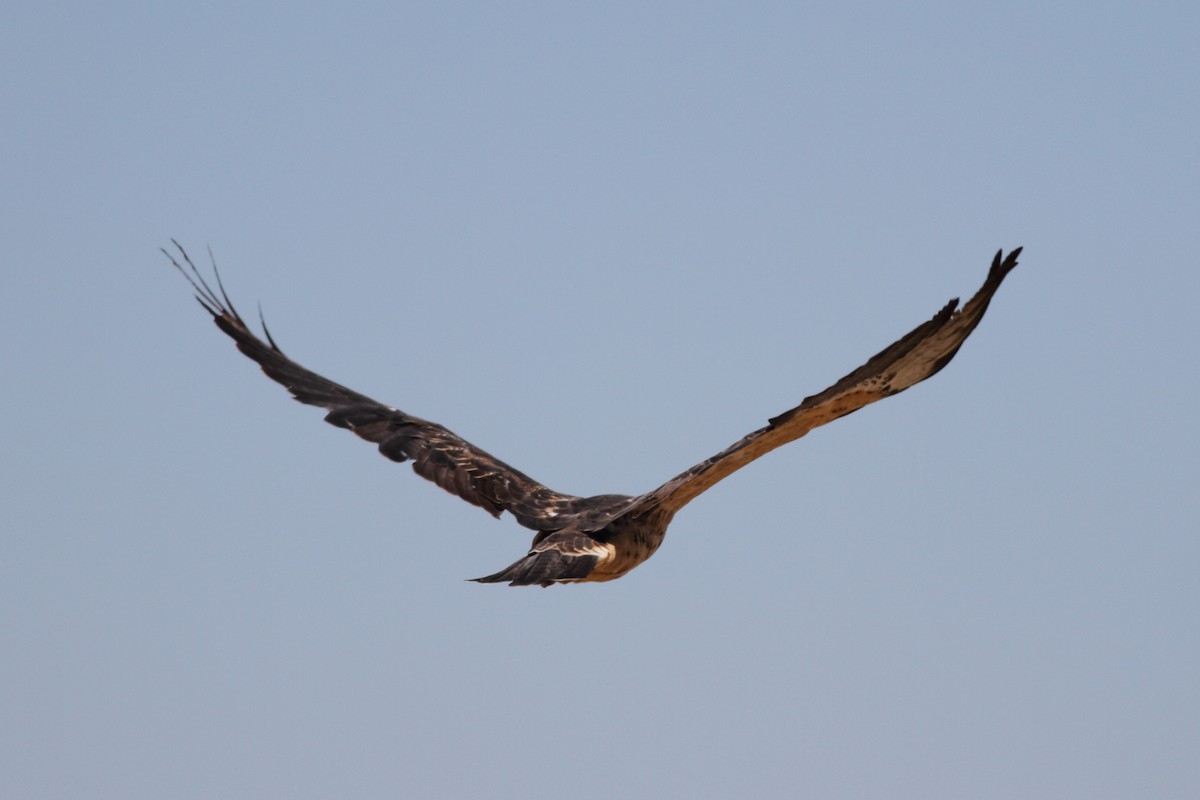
(600, 538)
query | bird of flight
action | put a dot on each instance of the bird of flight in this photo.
(597, 538)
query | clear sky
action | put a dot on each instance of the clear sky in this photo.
(601, 241)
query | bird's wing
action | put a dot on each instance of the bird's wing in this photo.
(912, 359)
(436, 453)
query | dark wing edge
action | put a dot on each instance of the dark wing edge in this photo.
(920, 354)
(436, 453)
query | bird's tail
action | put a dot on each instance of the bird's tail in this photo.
(544, 568)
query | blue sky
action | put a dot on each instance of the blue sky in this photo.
(601, 241)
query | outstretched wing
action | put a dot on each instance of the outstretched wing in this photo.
(436, 454)
(912, 359)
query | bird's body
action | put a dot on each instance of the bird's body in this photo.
(600, 538)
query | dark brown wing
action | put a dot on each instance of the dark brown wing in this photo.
(437, 454)
(912, 359)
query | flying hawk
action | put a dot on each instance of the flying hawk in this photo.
(597, 538)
